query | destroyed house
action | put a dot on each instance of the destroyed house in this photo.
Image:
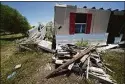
(89, 22)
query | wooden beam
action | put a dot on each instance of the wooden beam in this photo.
(24, 47)
(87, 71)
(105, 79)
(80, 55)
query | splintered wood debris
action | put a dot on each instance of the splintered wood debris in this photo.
(35, 40)
(85, 62)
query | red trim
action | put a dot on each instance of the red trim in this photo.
(72, 23)
(89, 19)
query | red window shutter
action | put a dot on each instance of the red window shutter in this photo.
(89, 19)
(72, 23)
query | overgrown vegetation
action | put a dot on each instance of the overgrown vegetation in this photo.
(12, 21)
(81, 43)
(30, 61)
(116, 61)
(49, 31)
(34, 66)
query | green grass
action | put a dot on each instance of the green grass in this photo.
(116, 61)
(81, 43)
(30, 61)
(33, 70)
(11, 36)
(3, 42)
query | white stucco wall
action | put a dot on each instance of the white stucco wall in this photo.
(100, 19)
(62, 15)
(99, 24)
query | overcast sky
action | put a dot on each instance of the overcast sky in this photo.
(44, 11)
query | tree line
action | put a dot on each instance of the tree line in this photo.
(12, 21)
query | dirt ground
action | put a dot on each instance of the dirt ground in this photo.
(37, 65)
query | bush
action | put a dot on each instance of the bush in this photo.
(12, 21)
(49, 31)
(81, 43)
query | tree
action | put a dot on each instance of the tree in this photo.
(33, 26)
(49, 30)
(12, 21)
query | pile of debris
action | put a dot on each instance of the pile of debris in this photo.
(85, 61)
(35, 40)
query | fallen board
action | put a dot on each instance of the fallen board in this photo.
(102, 78)
(80, 55)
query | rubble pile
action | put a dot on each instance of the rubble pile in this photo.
(35, 40)
(84, 61)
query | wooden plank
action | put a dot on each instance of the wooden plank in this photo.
(84, 58)
(102, 78)
(94, 55)
(97, 70)
(81, 54)
(87, 71)
(24, 47)
(59, 61)
(63, 53)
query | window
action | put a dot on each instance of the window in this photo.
(80, 23)
(80, 27)
(81, 18)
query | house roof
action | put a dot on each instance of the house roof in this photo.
(65, 5)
